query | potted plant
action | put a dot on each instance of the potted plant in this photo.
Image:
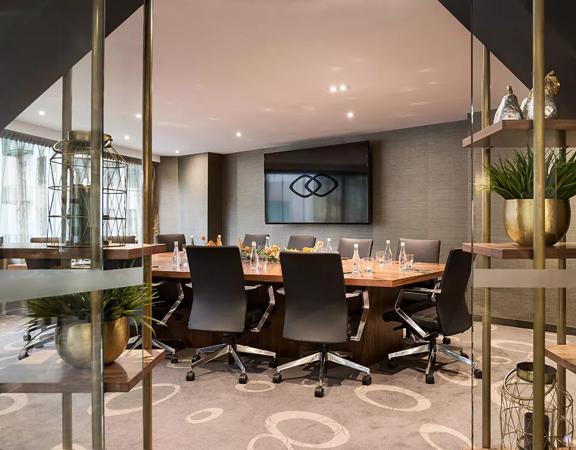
(69, 315)
(513, 180)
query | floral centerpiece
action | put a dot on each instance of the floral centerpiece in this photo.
(211, 243)
(271, 253)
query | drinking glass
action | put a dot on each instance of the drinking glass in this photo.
(380, 256)
(409, 261)
(368, 264)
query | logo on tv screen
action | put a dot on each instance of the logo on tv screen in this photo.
(319, 185)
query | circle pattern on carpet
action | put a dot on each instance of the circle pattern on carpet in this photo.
(19, 401)
(249, 387)
(422, 403)
(429, 428)
(212, 413)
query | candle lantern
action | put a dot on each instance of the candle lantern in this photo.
(70, 192)
(517, 407)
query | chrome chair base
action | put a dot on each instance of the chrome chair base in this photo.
(432, 348)
(323, 357)
(231, 350)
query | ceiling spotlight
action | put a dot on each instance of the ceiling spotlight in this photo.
(343, 88)
(238, 134)
(126, 137)
(333, 88)
(41, 113)
(350, 114)
(138, 115)
(177, 151)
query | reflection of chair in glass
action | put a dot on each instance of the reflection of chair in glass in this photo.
(130, 239)
(260, 239)
(169, 239)
(447, 314)
(220, 305)
(317, 311)
(298, 242)
(346, 247)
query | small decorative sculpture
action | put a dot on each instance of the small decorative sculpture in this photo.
(509, 108)
(551, 88)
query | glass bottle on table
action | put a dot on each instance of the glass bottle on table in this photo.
(219, 240)
(356, 260)
(176, 260)
(254, 259)
(329, 248)
(267, 244)
(388, 253)
(192, 240)
(402, 256)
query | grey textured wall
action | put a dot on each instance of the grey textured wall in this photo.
(420, 179)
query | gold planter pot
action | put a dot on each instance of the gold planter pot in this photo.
(519, 220)
(74, 345)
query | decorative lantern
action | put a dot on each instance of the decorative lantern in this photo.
(517, 408)
(70, 188)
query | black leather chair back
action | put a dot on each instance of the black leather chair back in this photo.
(316, 308)
(169, 239)
(219, 296)
(451, 302)
(424, 250)
(346, 247)
(260, 239)
(296, 242)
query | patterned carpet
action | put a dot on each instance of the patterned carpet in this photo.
(214, 412)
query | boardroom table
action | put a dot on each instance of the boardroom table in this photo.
(378, 339)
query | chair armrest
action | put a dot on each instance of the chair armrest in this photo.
(267, 312)
(364, 318)
(281, 291)
(354, 294)
(409, 321)
(188, 285)
(251, 288)
(175, 305)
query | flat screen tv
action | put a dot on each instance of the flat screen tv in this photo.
(329, 184)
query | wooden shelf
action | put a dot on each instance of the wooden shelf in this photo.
(44, 372)
(42, 251)
(563, 355)
(518, 134)
(510, 250)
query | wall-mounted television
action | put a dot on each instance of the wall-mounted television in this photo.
(329, 184)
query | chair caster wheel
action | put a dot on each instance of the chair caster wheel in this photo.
(430, 378)
(319, 392)
(464, 355)
(174, 360)
(366, 380)
(195, 358)
(446, 341)
(478, 373)
(190, 376)
(390, 364)
(273, 364)
(243, 378)
(277, 378)
(27, 338)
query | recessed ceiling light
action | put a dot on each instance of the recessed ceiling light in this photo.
(138, 115)
(333, 88)
(177, 151)
(343, 87)
(41, 113)
(127, 137)
(238, 134)
(350, 114)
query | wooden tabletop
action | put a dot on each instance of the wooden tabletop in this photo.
(383, 276)
(563, 355)
(42, 251)
(44, 372)
(511, 250)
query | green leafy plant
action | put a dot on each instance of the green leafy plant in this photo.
(514, 178)
(116, 303)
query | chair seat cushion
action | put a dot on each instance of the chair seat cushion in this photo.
(427, 319)
(411, 304)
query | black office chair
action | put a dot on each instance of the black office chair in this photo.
(220, 305)
(424, 250)
(169, 239)
(447, 314)
(346, 247)
(260, 239)
(298, 242)
(316, 310)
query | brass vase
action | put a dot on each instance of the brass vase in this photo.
(74, 343)
(519, 221)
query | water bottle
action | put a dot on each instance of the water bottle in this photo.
(267, 245)
(402, 256)
(219, 240)
(176, 256)
(388, 258)
(329, 248)
(254, 260)
(356, 260)
(192, 240)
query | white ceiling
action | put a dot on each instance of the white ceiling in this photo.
(263, 67)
